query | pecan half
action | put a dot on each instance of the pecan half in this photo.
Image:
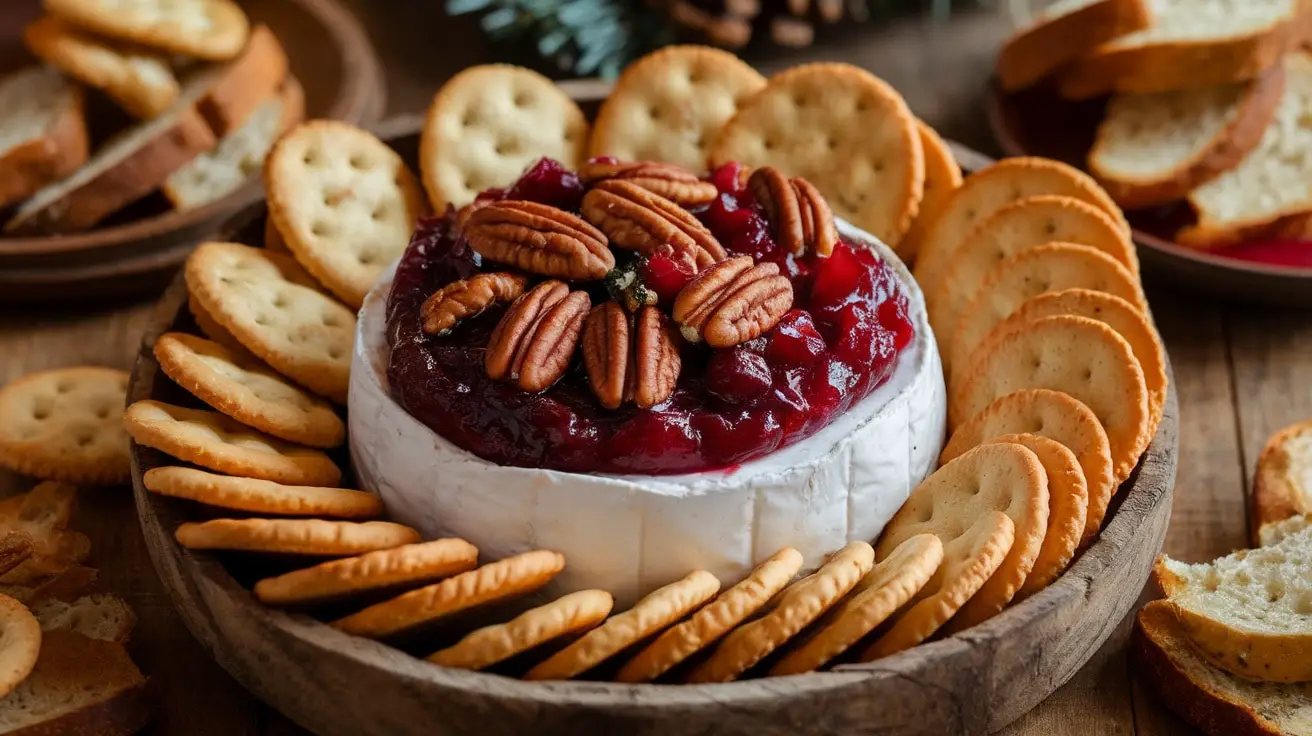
(638, 362)
(535, 340)
(539, 239)
(798, 213)
(733, 302)
(468, 298)
(672, 182)
(637, 219)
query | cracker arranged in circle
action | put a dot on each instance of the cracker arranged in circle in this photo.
(489, 645)
(970, 557)
(295, 536)
(796, 607)
(248, 391)
(422, 563)
(206, 29)
(886, 588)
(261, 496)
(218, 442)
(844, 130)
(988, 190)
(66, 424)
(655, 612)
(1077, 355)
(495, 581)
(1068, 508)
(217, 332)
(487, 124)
(1057, 416)
(942, 177)
(255, 295)
(714, 620)
(344, 203)
(21, 634)
(670, 105)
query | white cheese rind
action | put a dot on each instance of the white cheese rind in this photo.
(631, 534)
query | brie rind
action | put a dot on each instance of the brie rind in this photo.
(631, 534)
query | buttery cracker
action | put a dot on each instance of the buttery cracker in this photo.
(295, 536)
(66, 424)
(261, 496)
(413, 564)
(489, 645)
(942, 178)
(21, 634)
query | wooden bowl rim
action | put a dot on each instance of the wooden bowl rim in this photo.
(361, 70)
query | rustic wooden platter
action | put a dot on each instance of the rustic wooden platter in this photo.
(1039, 123)
(330, 54)
(333, 684)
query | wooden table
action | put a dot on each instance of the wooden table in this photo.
(1236, 369)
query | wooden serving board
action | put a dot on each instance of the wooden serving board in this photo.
(976, 682)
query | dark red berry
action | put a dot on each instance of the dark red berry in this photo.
(729, 179)
(547, 182)
(738, 376)
(795, 340)
(666, 276)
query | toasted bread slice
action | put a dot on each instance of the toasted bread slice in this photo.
(104, 617)
(42, 514)
(1282, 484)
(43, 133)
(247, 82)
(1155, 148)
(1062, 33)
(80, 685)
(1274, 532)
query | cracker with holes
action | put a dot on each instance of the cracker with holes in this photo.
(260, 299)
(210, 328)
(66, 424)
(261, 496)
(842, 129)
(488, 124)
(942, 178)
(218, 442)
(248, 391)
(317, 537)
(409, 565)
(207, 29)
(569, 614)
(1076, 355)
(344, 203)
(670, 105)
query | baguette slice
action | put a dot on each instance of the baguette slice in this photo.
(1272, 183)
(1274, 532)
(1191, 43)
(1062, 33)
(1215, 701)
(1249, 613)
(230, 164)
(79, 686)
(1282, 484)
(247, 83)
(1155, 148)
(43, 132)
(104, 617)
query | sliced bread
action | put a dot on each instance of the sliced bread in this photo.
(1191, 43)
(237, 158)
(247, 83)
(1275, 531)
(1216, 702)
(104, 617)
(1250, 612)
(43, 133)
(1155, 148)
(1062, 33)
(1272, 183)
(1282, 484)
(80, 685)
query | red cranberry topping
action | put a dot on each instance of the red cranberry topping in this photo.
(666, 276)
(741, 229)
(731, 179)
(795, 340)
(547, 182)
(738, 375)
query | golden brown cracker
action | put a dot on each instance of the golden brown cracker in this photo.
(261, 496)
(66, 424)
(295, 536)
(942, 177)
(21, 633)
(569, 614)
(422, 563)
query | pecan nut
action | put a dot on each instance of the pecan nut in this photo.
(733, 302)
(469, 297)
(637, 219)
(638, 362)
(536, 338)
(672, 182)
(540, 239)
(798, 213)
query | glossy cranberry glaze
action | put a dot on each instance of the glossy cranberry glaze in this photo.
(839, 342)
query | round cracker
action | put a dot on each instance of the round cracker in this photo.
(670, 105)
(21, 634)
(715, 619)
(260, 298)
(942, 177)
(215, 331)
(1068, 508)
(218, 442)
(1077, 355)
(495, 581)
(261, 496)
(295, 536)
(988, 190)
(885, 589)
(411, 564)
(844, 130)
(798, 605)
(487, 124)
(969, 558)
(489, 645)
(66, 424)
(655, 612)
(344, 202)
(215, 30)
(248, 391)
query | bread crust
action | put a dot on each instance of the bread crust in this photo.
(1275, 497)
(1224, 152)
(27, 168)
(250, 80)
(1040, 49)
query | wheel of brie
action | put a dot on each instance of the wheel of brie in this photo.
(647, 372)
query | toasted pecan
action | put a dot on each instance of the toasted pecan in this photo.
(799, 215)
(732, 302)
(536, 338)
(539, 239)
(640, 220)
(670, 181)
(469, 297)
(636, 361)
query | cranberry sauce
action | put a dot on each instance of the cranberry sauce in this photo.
(839, 342)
